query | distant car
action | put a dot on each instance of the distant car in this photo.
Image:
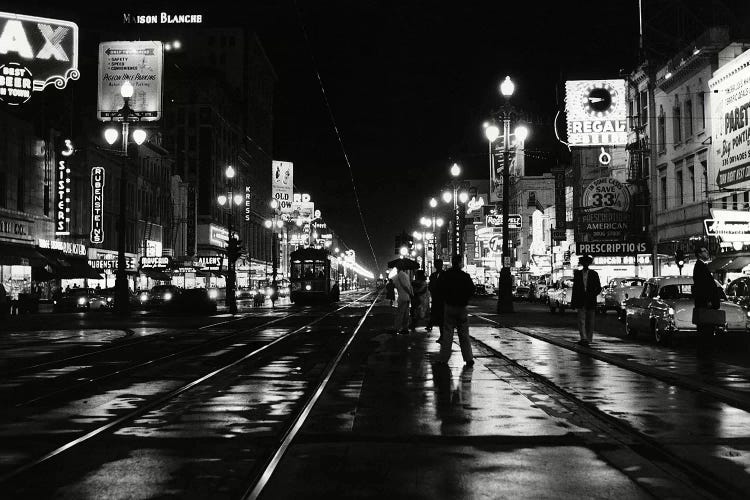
(480, 290)
(75, 299)
(540, 293)
(191, 301)
(521, 292)
(665, 309)
(159, 295)
(618, 291)
(560, 296)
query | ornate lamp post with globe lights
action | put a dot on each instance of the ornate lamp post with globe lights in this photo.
(125, 115)
(274, 224)
(233, 245)
(506, 114)
(456, 197)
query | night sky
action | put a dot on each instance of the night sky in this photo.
(409, 84)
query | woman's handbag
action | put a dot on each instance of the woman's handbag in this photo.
(706, 316)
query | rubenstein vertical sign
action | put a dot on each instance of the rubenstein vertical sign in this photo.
(35, 52)
(97, 205)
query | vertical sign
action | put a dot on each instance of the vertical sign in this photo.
(191, 221)
(248, 203)
(282, 177)
(597, 112)
(559, 232)
(62, 187)
(139, 63)
(97, 205)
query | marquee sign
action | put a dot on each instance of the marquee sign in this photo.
(62, 189)
(212, 262)
(35, 52)
(282, 183)
(596, 112)
(97, 205)
(730, 100)
(729, 225)
(155, 262)
(139, 63)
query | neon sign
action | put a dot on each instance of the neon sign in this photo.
(97, 205)
(35, 52)
(62, 207)
(597, 112)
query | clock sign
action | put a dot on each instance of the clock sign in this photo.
(596, 112)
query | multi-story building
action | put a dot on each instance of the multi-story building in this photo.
(529, 197)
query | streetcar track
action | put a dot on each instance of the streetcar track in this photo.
(643, 445)
(727, 396)
(160, 400)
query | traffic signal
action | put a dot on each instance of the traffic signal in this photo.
(679, 258)
(234, 249)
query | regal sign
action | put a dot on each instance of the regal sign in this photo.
(597, 112)
(97, 205)
(35, 52)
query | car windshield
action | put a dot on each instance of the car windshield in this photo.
(161, 288)
(632, 283)
(674, 292)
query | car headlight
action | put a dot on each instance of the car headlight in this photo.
(670, 311)
(212, 294)
(308, 287)
(167, 296)
(109, 299)
(268, 291)
(748, 315)
(81, 301)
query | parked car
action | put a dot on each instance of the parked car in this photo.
(521, 292)
(480, 290)
(665, 309)
(75, 299)
(159, 295)
(560, 295)
(738, 292)
(191, 301)
(618, 291)
(107, 298)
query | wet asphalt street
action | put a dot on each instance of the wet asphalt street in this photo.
(183, 407)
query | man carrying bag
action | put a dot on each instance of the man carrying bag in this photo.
(706, 313)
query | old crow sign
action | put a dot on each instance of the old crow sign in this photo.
(35, 52)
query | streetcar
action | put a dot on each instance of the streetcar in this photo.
(313, 276)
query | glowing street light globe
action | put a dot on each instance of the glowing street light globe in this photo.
(238, 199)
(126, 90)
(463, 197)
(424, 221)
(229, 172)
(439, 222)
(279, 224)
(455, 170)
(507, 87)
(268, 224)
(139, 135)
(521, 133)
(110, 135)
(222, 200)
(447, 196)
(274, 204)
(433, 202)
(403, 251)
(492, 132)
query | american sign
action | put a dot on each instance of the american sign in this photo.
(97, 205)
(62, 183)
(35, 52)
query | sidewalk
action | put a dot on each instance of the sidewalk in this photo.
(395, 425)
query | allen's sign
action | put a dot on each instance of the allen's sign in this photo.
(35, 52)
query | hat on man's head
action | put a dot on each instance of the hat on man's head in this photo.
(587, 258)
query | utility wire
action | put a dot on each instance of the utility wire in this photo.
(338, 134)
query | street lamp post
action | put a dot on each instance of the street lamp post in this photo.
(505, 285)
(456, 197)
(126, 115)
(273, 225)
(233, 248)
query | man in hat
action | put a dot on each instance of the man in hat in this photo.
(586, 287)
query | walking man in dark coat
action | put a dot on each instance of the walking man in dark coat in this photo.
(705, 291)
(456, 287)
(586, 287)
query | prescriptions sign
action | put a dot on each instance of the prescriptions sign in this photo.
(35, 52)
(139, 63)
(597, 112)
(282, 183)
(730, 102)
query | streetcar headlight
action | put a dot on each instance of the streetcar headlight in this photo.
(82, 301)
(212, 294)
(308, 287)
(167, 296)
(109, 299)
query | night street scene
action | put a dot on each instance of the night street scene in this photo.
(298, 249)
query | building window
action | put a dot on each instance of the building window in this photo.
(747, 201)
(662, 131)
(676, 122)
(688, 117)
(725, 203)
(678, 191)
(644, 107)
(735, 202)
(532, 199)
(691, 180)
(663, 190)
(701, 109)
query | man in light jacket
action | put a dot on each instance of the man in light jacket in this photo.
(402, 283)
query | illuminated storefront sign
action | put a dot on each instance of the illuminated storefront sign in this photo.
(97, 205)
(218, 236)
(282, 182)
(729, 225)
(35, 52)
(63, 246)
(596, 112)
(515, 221)
(62, 188)
(730, 145)
(155, 262)
(162, 18)
(613, 248)
(212, 262)
(474, 204)
(139, 63)
(622, 260)
(248, 203)
(606, 193)
(304, 208)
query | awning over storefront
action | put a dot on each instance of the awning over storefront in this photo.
(729, 263)
(69, 267)
(156, 275)
(13, 254)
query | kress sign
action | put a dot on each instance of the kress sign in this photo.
(35, 52)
